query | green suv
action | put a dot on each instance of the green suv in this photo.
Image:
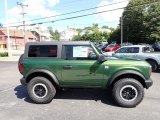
(49, 66)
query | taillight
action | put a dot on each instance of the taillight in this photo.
(21, 68)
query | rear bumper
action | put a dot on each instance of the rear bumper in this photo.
(148, 83)
(23, 81)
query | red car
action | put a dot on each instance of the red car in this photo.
(112, 47)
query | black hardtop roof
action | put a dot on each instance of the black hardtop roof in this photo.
(59, 43)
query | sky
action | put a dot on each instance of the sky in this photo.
(45, 8)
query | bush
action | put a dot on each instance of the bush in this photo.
(3, 54)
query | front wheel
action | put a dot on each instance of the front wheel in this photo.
(128, 92)
(153, 65)
(41, 90)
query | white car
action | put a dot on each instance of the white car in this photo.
(142, 52)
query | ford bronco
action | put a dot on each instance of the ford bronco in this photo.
(48, 66)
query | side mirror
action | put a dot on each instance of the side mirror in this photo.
(92, 55)
(101, 57)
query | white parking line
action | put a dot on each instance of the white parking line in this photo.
(5, 90)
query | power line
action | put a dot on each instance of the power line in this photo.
(74, 17)
(74, 11)
(68, 18)
(81, 24)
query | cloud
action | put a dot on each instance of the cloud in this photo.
(35, 9)
(14, 12)
(52, 2)
(16, 22)
(111, 15)
(40, 8)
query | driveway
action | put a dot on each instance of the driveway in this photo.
(71, 104)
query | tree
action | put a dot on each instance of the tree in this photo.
(142, 23)
(105, 35)
(76, 37)
(115, 36)
(55, 35)
(105, 27)
(91, 33)
(152, 22)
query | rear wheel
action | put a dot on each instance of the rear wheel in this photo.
(41, 90)
(128, 92)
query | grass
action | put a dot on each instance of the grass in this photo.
(3, 54)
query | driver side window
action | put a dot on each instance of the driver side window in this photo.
(122, 50)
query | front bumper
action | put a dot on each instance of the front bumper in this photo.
(148, 83)
(23, 81)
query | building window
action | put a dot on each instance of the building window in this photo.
(3, 38)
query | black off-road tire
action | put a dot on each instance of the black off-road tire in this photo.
(153, 65)
(128, 84)
(35, 88)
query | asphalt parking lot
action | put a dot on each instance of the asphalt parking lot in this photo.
(72, 104)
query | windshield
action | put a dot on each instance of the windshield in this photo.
(110, 45)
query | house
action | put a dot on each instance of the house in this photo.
(105, 30)
(86, 32)
(41, 36)
(68, 34)
(17, 40)
(41, 32)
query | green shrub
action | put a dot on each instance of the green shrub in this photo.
(3, 54)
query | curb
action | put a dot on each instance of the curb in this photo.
(9, 59)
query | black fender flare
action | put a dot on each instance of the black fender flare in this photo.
(47, 72)
(123, 72)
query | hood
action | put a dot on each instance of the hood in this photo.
(109, 48)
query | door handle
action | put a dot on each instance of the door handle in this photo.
(67, 67)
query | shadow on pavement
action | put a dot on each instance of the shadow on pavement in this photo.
(21, 93)
(102, 95)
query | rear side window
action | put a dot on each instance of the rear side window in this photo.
(147, 49)
(42, 51)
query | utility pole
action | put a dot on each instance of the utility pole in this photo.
(122, 29)
(23, 13)
(8, 36)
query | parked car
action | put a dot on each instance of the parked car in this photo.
(111, 47)
(102, 46)
(156, 46)
(105, 42)
(142, 52)
(49, 66)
